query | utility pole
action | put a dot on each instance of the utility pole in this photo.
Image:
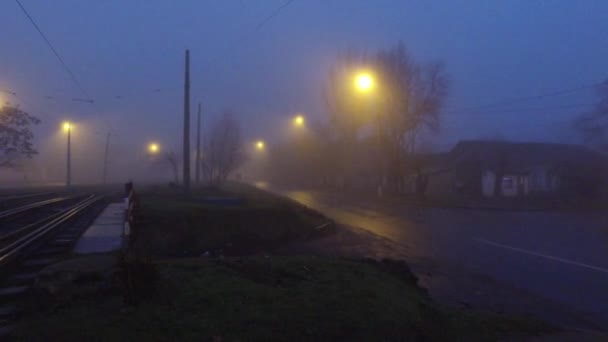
(68, 178)
(197, 168)
(105, 159)
(186, 156)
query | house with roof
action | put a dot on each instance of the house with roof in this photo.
(482, 168)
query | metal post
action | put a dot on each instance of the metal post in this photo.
(380, 161)
(105, 159)
(186, 156)
(68, 180)
(197, 168)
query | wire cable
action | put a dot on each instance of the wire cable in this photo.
(244, 37)
(274, 13)
(50, 45)
(530, 98)
(452, 113)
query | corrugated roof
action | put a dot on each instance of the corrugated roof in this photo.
(523, 153)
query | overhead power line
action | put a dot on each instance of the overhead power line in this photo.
(87, 98)
(142, 93)
(273, 14)
(507, 102)
(50, 45)
(450, 114)
(76, 99)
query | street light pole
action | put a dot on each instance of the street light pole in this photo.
(380, 159)
(197, 167)
(105, 159)
(365, 83)
(68, 181)
(186, 170)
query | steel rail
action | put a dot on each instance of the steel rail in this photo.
(13, 197)
(15, 211)
(12, 249)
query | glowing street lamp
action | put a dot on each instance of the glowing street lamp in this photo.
(153, 148)
(67, 127)
(364, 82)
(298, 120)
(260, 145)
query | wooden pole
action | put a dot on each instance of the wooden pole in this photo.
(197, 167)
(186, 156)
(105, 159)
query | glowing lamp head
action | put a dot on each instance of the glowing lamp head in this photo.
(298, 120)
(364, 82)
(153, 148)
(260, 145)
(67, 126)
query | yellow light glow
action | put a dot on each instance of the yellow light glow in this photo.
(298, 120)
(260, 145)
(153, 148)
(364, 82)
(67, 126)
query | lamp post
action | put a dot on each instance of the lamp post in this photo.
(365, 83)
(67, 127)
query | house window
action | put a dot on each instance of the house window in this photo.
(507, 183)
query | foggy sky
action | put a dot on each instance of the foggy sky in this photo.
(493, 50)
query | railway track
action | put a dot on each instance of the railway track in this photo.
(30, 207)
(11, 201)
(45, 238)
(12, 197)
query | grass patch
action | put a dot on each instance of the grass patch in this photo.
(173, 225)
(241, 298)
(268, 298)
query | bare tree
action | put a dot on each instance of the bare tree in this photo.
(172, 159)
(16, 136)
(223, 150)
(411, 96)
(593, 125)
(406, 102)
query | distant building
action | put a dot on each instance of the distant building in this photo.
(511, 169)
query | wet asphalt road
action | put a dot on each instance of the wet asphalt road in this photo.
(562, 256)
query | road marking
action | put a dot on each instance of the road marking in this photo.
(550, 257)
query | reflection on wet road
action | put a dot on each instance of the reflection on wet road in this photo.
(561, 256)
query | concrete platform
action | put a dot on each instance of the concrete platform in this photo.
(106, 234)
